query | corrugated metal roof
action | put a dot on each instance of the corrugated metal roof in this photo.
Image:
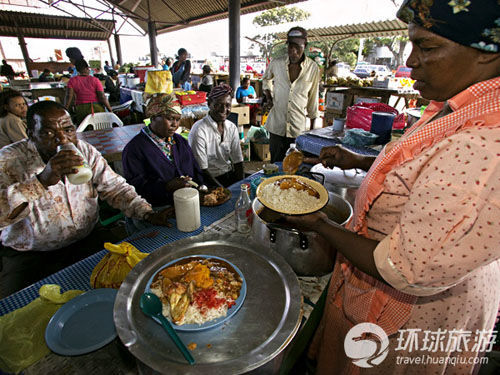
(54, 27)
(171, 15)
(360, 30)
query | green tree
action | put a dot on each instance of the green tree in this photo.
(395, 44)
(275, 16)
(344, 50)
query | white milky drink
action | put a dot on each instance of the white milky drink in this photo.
(84, 173)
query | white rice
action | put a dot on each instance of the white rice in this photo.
(193, 314)
(288, 200)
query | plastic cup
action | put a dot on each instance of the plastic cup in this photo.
(382, 126)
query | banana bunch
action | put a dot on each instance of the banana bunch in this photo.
(182, 93)
(115, 266)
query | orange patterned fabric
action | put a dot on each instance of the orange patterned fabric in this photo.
(432, 201)
(483, 103)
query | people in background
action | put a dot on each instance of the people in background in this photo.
(47, 223)
(46, 76)
(99, 75)
(187, 86)
(107, 67)
(112, 86)
(158, 161)
(247, 91)
(13, 110)
(86, 92)
(215, 141)
(6, 70)
(181, 69)
(207, 80)
(167, 63)
(291, 86)
(117, 67)
(422, 253)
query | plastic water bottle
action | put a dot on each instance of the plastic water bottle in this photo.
(241, 132)
(243, 211)
(84, 173)
(292, 148)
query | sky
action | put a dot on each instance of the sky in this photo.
(204, 40)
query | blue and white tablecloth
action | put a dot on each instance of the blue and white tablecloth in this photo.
(77, 276)
(313, 144)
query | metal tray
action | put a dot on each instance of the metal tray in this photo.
(266, 323)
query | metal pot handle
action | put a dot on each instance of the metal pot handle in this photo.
(311, 175)
(273, 228)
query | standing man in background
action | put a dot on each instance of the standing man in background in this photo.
(291, 92)
(6, 70)
(107, 68)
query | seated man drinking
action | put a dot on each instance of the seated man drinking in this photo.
(215, 141)
(47, 223)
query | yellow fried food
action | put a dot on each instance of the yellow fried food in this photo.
(200, 274)
(178, 306)
(176, 271)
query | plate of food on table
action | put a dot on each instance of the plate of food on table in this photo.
(198, 292)
(214, 196)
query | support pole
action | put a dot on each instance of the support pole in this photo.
(118, 50)
(111, 54)
(24, 50)
(152, 43)
(234, 43)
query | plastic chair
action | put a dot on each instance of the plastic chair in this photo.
(100, 120)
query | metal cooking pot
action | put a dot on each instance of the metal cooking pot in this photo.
(348, 192)
(308, 253)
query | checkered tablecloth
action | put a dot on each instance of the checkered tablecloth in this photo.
(313, 144)
(77, 276)
(110, 141)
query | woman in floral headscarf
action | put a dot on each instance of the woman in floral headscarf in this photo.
(158, 161)
(422, 259)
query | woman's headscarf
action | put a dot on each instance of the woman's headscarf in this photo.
(472, 23)
(220, 91)
(160, 104)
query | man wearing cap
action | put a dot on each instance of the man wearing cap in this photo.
(158, 161)
(291, 90)
(215, 141)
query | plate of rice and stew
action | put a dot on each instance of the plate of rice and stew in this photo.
(292, 194)
(198, 292)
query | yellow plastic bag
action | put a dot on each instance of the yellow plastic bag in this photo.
(159, 81)
(115, 266)
(22, 332)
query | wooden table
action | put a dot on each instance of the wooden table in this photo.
(384, 94)
(111, 142)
